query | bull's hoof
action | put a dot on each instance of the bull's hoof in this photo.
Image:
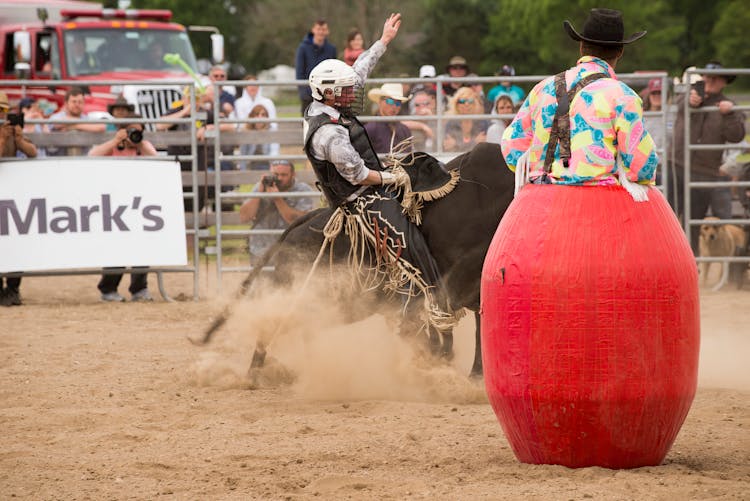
(259, 359)
(271, 374)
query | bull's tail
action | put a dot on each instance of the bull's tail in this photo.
(222, 318)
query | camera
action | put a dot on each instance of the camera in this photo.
(135, 135)
(16, 119)
(270, 180)
(700, 88)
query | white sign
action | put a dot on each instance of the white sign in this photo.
(90, 213)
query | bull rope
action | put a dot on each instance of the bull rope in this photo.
(413, 201)
(389, 270)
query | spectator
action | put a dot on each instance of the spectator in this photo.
(252, 96)
(462, 134)
(652, 97)
(127, 142)
(155, 56)
(457, 67)
(313, 49)
(384, 136)
(259, 148)
(425, 71)
(218, 74)
(724, 125)
(83, 62)
(119, 109)
(503, 106)
(12, 143)
(423, 103)
(73, 110)
(29, 107)
(515, 92)
(355, 45)
(274, 213)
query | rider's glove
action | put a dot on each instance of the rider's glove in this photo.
(397, 177)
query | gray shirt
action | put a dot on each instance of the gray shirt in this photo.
(269, 218)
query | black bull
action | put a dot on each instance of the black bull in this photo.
(458, 229)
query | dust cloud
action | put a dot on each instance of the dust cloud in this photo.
(326, 351)
(724, 355)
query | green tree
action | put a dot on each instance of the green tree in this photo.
(530, 35)
(452, 27)
(730, 36)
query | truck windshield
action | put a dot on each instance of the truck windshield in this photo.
(94, 51)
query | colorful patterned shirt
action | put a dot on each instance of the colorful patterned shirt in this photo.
(606, 130)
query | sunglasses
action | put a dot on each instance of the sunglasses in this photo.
(3, 109)
(392, 102)
(465, 101)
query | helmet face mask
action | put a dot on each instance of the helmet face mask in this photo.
(334, 79)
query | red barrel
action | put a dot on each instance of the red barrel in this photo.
(590, 326)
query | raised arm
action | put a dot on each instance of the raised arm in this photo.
(368, 59)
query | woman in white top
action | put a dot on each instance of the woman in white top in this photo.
(503, 105)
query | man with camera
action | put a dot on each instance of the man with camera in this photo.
(127, 142)
(723, 125)
(12, 142)
(274, 213)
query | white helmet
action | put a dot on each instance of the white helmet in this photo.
(331, 74)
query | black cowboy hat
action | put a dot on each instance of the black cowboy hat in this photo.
(716, 65)
(603, 27)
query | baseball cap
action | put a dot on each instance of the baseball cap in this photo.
(654, 85)
(427, 71)
(507, 70)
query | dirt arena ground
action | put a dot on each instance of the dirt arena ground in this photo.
(110, 401)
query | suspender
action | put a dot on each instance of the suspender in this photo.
(560, 132)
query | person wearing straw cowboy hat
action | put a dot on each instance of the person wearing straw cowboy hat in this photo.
(386, 135)
(602, 127)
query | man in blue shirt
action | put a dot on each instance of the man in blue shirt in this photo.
(314, 49)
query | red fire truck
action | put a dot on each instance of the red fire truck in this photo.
(87, 44)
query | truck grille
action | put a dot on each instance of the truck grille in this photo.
(153, 103)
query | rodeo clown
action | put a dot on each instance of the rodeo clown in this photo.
(586, 141)
(388, 248)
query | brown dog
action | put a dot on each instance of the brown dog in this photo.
(720, 240)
